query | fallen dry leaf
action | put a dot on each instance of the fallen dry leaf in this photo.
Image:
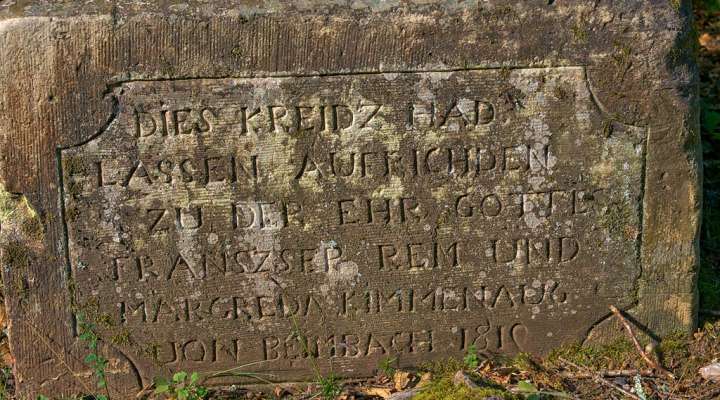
(376, 391)
(711, 372)
(401, 380)
(424, 379)
(709, 42)
(279, 392)
(3, 315)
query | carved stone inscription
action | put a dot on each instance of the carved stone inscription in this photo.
(347, 219)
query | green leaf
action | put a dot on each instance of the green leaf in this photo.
(183, 394)
(526, 387)
(162, 388)
(90, 358)
(712, 5)
(101, 397)
(41, 397)
(194, 377)
(179, 376)
(471, 359)
(710, 120)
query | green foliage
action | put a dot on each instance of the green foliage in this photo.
(330, 386)
(709, 279)
(94, 360)
(386, 366)
(529, 390)
(181, 387)
(471, 359)
(709, 287)
(709, 276)
(711, 5)
(710, 122)
(5, 374)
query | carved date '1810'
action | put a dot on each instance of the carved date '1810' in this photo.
(410, 215)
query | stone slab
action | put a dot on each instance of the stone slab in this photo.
(323, 186)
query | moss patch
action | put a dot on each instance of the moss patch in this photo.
(15, 255)
(444, 388)
(618, 220)
(122, 338)
(674, 348)
(580, 33)
(33, 228)
(617, 354)
(18, 218)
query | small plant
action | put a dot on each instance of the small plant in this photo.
(330, 386)
(5, 374)
(386, 366)
(471, 359)
(182, 387)
(94, 360)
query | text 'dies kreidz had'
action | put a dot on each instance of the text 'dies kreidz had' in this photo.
(410, 215)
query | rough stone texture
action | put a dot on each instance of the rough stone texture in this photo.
(326, 185)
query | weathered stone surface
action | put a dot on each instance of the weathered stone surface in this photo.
(322, 185)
